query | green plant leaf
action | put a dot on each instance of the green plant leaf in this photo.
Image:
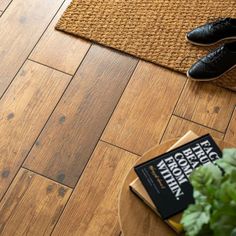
(223, 215)
(214, 211)
(228, 162)
(223, 226)
(194, 218)
(233, 233)
(206, 179)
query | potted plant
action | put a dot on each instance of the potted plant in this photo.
(214, 210)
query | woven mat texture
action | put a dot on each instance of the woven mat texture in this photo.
(153, 30)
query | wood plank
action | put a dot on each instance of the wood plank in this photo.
(4, 4)
(206, 104)
(59, 50)
(76, 125)
(21, 26)
(178, 127)
(32, 205)
(93, 206)
(24, 109)
(145, 108)
(230, 136)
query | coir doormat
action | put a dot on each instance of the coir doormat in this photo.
(153, 30)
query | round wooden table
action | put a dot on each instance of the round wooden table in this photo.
(136, 219)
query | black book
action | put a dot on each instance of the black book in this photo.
(165, 177)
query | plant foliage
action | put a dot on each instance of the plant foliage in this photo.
(214, 210)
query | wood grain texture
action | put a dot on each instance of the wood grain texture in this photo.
(21, 26)
(230, 135)
(32, 205)
(178, 127)
(4, 4)
(24, 109)
(206, 104)
(68, 140)
(145, 108)
(59, 50)
(93, 207)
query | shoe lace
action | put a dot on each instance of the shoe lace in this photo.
(220, 22)
(215, 56)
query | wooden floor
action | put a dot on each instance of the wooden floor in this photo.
(74, 118)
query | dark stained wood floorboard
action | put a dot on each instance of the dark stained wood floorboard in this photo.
(32, 205)
(144, 114)
(21, 26)
(69, 138)
(140, 119)
(206, 104)
(24, 110)
(59, 50)
(230, 135)
(178, 127)
(96, 212)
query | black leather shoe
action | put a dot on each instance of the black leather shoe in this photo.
(215, 64)
(214, 32)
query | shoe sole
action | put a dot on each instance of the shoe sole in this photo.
(210, 44)
(206, 80)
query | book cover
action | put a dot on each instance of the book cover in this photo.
(137, 188)
(165, 178)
